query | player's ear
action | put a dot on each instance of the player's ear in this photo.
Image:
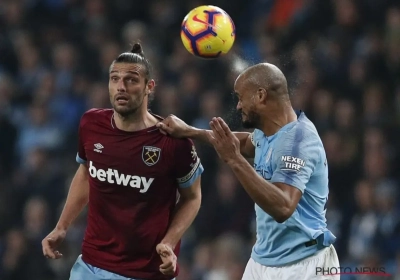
(262, 94)
(150, 86)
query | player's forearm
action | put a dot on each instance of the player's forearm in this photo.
(78, 197)
(185, 212)
(201, 135)
(266, 195)
(198, 134)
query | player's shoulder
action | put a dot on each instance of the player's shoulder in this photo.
(181, 142)
(178, 142)
(95, 112)
(95, 115)
(301, 133)
(304, 126)
(256, 135)
(158, 117)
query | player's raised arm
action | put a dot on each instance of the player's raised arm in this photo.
(278, 198)
(77, 198)
(176, 127)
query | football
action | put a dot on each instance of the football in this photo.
(208, 32)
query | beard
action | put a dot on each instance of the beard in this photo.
(252, 121)
(130, 108)
(125, 111)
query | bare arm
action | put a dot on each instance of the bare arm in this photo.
(78, 197)
(277, 199)
(175, 127)
(247, 148)
(186, 210)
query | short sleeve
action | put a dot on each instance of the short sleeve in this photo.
(252, 139)
(294, 159)
(81, 155)
(187, 163)
(255, 137)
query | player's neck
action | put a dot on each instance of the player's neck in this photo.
(278, 118)
(134, 122)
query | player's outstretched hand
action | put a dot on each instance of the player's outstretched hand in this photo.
(224, 141)
(174, 126)
(168, 257)
(51, 242)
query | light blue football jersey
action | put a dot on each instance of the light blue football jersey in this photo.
(295, 156)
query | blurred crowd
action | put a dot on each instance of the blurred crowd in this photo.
(342, 62)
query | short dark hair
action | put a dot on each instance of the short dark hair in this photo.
(136, 55)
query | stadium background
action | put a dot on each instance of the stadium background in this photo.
(342, 61)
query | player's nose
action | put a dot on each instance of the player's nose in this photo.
(121, 86)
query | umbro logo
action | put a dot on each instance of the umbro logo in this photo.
(98, 147)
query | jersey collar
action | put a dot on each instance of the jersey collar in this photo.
(300, 115)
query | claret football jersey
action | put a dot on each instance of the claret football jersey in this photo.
(134, 179)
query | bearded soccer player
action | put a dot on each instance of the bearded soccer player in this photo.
(130, 175)
(289, 181)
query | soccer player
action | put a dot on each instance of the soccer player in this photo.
(142, 187)
(289, 182)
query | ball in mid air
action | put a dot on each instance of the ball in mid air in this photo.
(208, 32)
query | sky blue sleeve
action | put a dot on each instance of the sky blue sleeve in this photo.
(79, 159)
(295, 158)
(188, 181)
(255, 137)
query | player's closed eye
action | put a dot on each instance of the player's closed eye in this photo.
(235, 97)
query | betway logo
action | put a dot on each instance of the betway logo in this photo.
(112, 176)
